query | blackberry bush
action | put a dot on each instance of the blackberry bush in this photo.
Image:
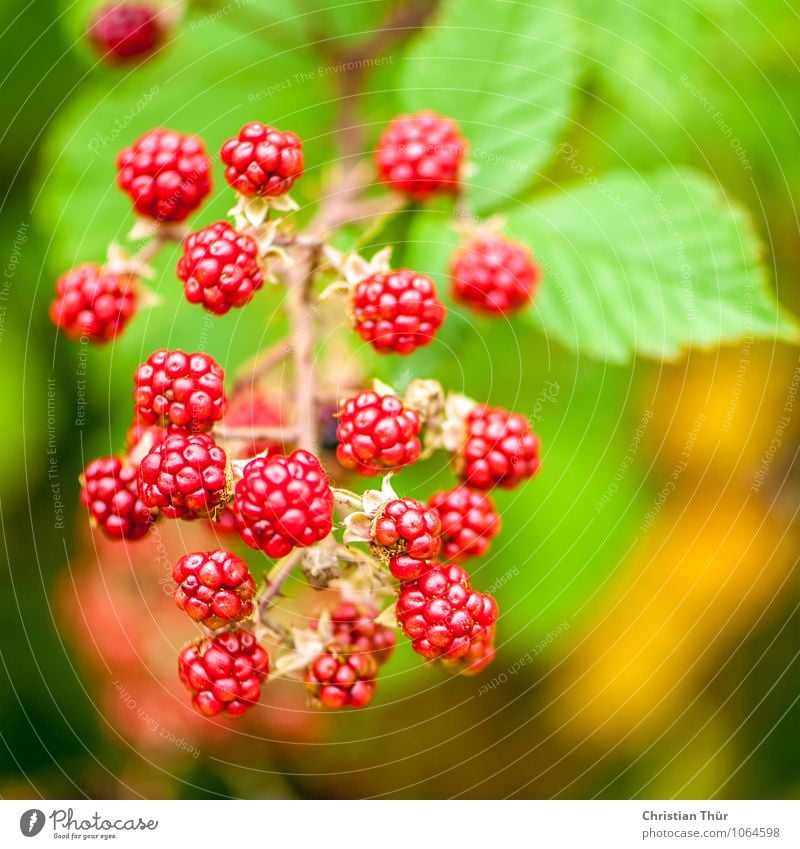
(267, 453)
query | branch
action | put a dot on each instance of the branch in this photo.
(299, 278)
(274, 433)
(258, 367)
(276, 579)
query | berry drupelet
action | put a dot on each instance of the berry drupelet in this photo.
(224, 673)
(494, 275)
(284, 502)
(215, 588)
(377, 433)
(109, 491)
(93, 302)
(421, 155)
(181, 390)
(262, 161)
(397, 311)
(166, 173)
(219, 268)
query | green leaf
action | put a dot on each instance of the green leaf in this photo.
(648, 265)
(506, 71)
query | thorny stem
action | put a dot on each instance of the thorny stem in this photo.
(342, 204)
(301, 306)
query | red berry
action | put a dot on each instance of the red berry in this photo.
(93, 302)
(480, 654)
(442, 614)
(283, 502)
(225, 522)
(421, 154)
(355, 630)
(262, 161)
(406, 568)
(122, 31)
(338, 679)
(219, 268)
(468, 522)
(397, 311)
(109, 491)
(377, 432)
(406, 527)
(179, 389)
(500, 449)
(494, 275)
(185, 476)
(214, 587)
(166, 173)
(224, 673)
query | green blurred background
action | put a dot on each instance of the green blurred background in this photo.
(649, 638)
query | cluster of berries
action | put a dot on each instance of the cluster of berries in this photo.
(167, 174)
(193, 453)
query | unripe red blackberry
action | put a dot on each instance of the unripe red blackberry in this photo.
(108, 489)
(224, 673)
(500, 449)
(126, 30)
(214, 587)
(468, 522)
(284, 502)
(179, 389)
(397, 311)
(93, 302)
(407, 568)
(494, 275)
(185, 476)
(219, 268)
(406, 527)
(442, 614)
(262, 161)
(376, 433)
(338, 679)
(480, 654)
(225, 522)
(421, 154)
(166, 173)
(355, 630)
